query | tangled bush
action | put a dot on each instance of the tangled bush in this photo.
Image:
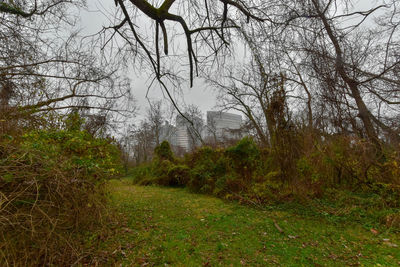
(244, 158)
(246, 172)
(345, 162)
(206, 166)
(51, 192)
(164, 152)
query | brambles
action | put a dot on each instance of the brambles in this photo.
(249, 174)
(52, 192)
(244, 157)
(164, 152)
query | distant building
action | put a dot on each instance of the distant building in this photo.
(223, 126)
(188, 133)
(182, 138)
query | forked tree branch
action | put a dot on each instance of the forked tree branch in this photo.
(162, 14)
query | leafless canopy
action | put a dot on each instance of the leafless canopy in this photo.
(341, 62)
(44, 69)
(203, 23)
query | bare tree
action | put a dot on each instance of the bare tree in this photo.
(339, 64)
(142, 139)
(42, 71)
(195, 129)
(258, 89)
(354, 61)
(151, 131)
(156, 119)
(348, 71)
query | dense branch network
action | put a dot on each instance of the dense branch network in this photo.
(162, 14)
(41, 72)
(37, 8)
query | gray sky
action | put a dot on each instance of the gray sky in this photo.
(200, 95)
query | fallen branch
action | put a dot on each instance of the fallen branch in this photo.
(278, 227)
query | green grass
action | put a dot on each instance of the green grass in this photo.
(172, 227)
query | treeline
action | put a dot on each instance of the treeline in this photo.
(302, 171)
(332, 66)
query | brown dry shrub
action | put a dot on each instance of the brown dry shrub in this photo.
(392, 220)
(52, 196)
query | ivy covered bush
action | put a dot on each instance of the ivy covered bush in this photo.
(248, 173)
(52, 190)
(89, 158)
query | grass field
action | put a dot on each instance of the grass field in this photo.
(172, 227)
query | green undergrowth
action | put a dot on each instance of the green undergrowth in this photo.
(334, 179)
(173, 227)
(52, 192)
(341, 207)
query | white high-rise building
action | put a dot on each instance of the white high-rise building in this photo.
(223, 125)
(187, 134)
(182, 138)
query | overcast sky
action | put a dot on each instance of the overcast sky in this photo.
(201, 95)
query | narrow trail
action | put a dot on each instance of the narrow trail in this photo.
(172, 227)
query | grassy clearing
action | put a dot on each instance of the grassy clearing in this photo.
(170, 226)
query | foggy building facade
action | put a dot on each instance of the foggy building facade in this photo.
(223, 126)
(187, 133)
(220, 127)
